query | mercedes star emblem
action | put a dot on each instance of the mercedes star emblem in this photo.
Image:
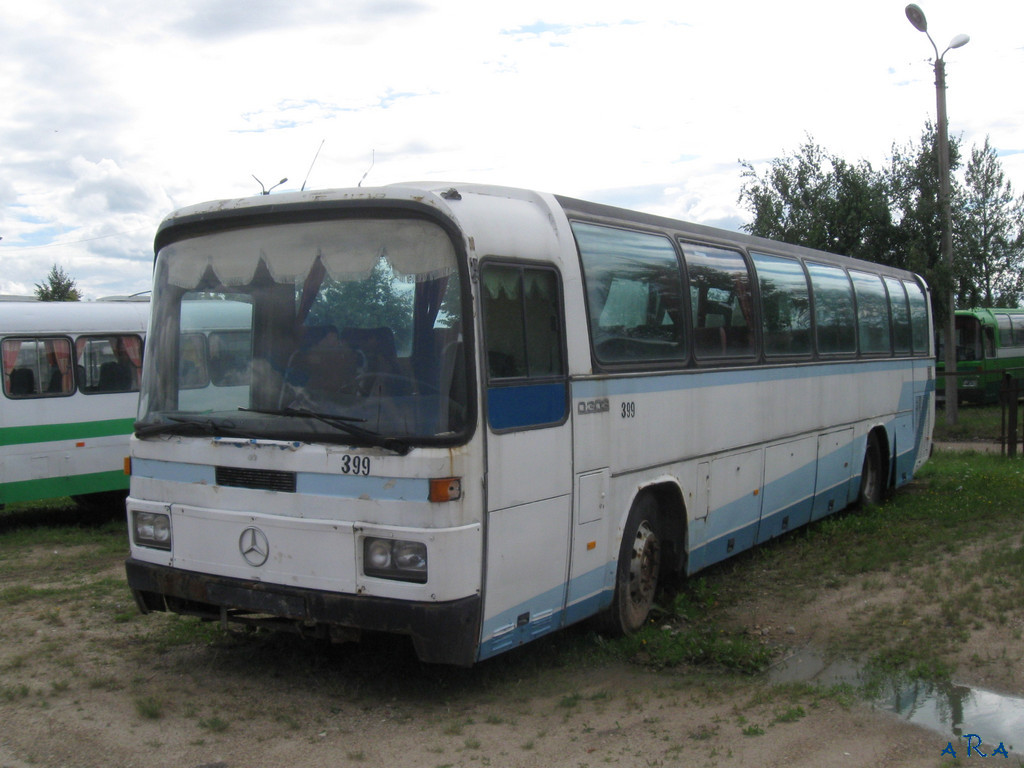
(254, 546)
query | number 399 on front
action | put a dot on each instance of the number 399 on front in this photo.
(355, 465)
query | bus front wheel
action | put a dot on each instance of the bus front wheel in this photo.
(636, 578)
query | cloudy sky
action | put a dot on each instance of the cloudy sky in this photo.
(116, 112)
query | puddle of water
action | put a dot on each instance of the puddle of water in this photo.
(954, 711)
(806, 665)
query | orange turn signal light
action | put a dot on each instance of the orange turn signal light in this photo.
(445, 489)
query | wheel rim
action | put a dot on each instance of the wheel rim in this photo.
(643, 567)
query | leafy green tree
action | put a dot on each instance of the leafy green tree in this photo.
(819, 200)
(891, 216)
(913, 180)
(378, 300)
(58, 287)
(990, 235)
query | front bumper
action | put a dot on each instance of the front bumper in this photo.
(442, 633)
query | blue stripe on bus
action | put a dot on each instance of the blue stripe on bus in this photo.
(526, 405)
(175, 472)
(700, 379)
(313, 483)
(355, 486)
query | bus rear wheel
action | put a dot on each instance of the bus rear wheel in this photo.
(636, 578)
(872, 478)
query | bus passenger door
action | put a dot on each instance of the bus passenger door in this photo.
(529, 455)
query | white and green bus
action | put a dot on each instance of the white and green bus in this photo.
(475, 415)
(989, 346)
(71, 373)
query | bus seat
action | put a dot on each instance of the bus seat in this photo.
(56, 380)
(377, 346)
(114, 377)
(23, 382)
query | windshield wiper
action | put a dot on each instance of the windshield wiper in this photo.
(346, 424)
(206, 426)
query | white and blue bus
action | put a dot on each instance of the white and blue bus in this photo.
(475, 415)
(71, 373)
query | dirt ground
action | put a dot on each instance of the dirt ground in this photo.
(85, 681)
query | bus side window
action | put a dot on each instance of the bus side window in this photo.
(108, 363)
(721, 306)
(634, 295)
(873, 325)
(918, 317)
(990, 343)
(785, 305)
(1005, 331)
(521, 318)
(900, 316)
(1018, 330)
(37, 367)
(834, 318)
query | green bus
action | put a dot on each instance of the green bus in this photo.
(989, 344)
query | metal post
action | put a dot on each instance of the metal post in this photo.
(1011, 426)
(952, 398)
(916, 17)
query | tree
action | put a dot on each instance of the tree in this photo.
(58, 287)
(892, 216)
(819, 200)
(375, 301)
(990, 236)
(913, 181)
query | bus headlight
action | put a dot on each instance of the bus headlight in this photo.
(151, 529)
(377, 554)
(395, 559)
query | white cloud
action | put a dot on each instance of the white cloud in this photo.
(118, 112)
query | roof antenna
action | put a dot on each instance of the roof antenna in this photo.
(373, 159)
(311, 165)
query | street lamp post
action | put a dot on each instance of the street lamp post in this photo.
(916, 17)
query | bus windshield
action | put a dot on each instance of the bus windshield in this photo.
(347, 331)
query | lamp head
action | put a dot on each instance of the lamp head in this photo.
(959, 41)
(916, 17)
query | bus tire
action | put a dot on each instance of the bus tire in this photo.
(872, 477)
(636, 577)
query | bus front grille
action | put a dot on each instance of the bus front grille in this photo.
(260, 479)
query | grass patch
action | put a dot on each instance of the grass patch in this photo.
(686, 632)
(958, 498)
(214, 724)
(973, 423)
(149, 707)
